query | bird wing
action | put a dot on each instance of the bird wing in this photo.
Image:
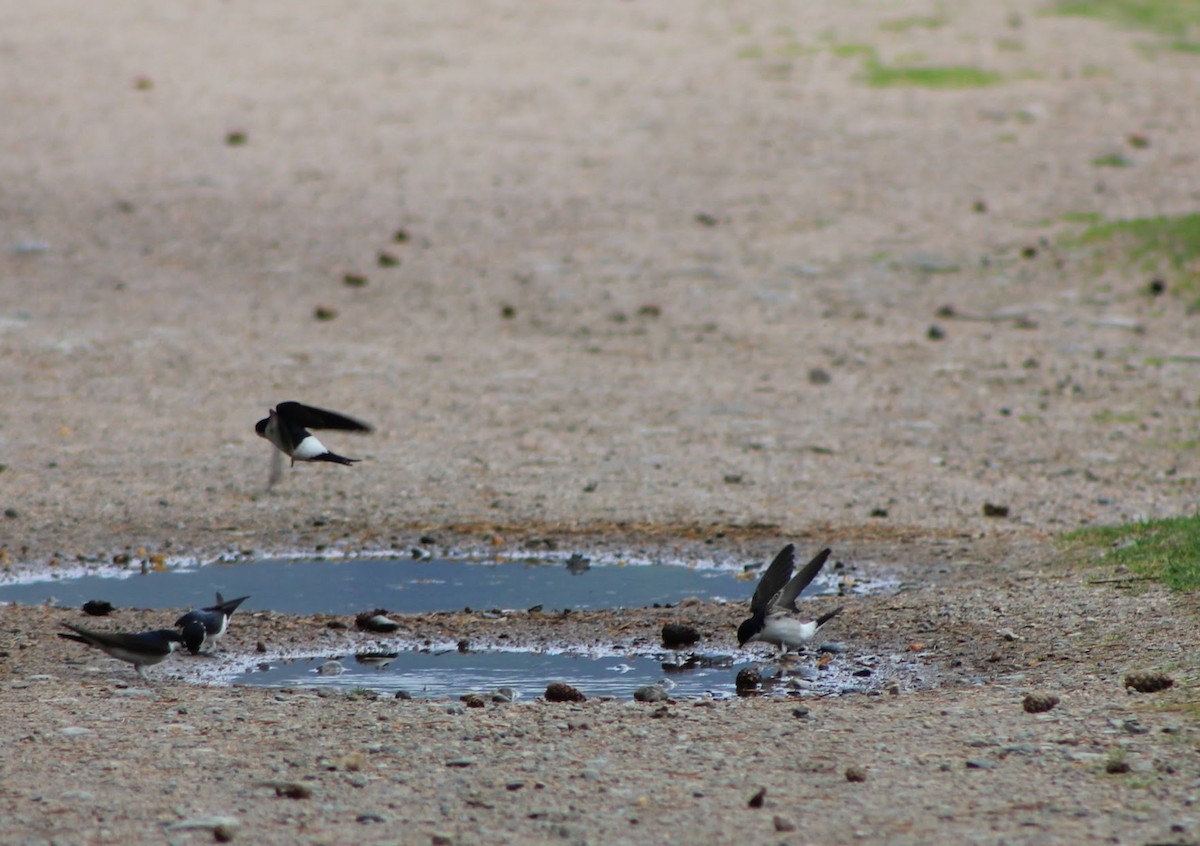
(793, 589)
(773, 581)
(318, 418)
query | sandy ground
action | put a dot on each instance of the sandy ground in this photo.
(668, 282)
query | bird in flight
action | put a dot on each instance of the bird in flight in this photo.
(287, 425)
(774, 617)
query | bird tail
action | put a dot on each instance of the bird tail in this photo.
(74, 637)
(825, 618)
(336, 459)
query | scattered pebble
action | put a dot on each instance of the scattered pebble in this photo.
(331, 668)
(935, 333)
(1148, 682)
(324, 313)
(819, 376)
(992, 510)
(675, 635)
(856, 773)
(783, 824)
(706, 219)
(757, 800)
(748, 679)
(563, 692)
(236, 138)
(1037, 703)
(375, 621)
(289, 789)
(980, 764)
(650, 693)
(354, 280)
(97, 608)
(388, 259)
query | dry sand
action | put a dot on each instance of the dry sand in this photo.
(635, 234)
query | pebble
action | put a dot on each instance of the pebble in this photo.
(675, 635)
(650, 693)
(832, 647)
(563, 692)
(980, 764)
(78, 795)
(75, 731)
(211, 822)
(369, 818)
(757, 800)
(460, 762)
(783, 824)
(331, 668)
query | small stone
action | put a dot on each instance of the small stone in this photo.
(354, 280)
(473, 700)
(935, 333)
(508, 311)
(563, 692)
(800, 712)
(236, 138)
(223, 833)
(1117, 765)
(748, 679)
(97, 608)
(387, 259)
(675, 635)
(756, 801)
(1037, 703)
(1148, 682)
(980, 764)
(290, 789)
(325, 313)
(819, 376)
(460, 762)
(11, 513)
(403, 694)
(650, 693)
(992, 510)
(783, 824)
(368, 818)
(376, 621)
(856, 773)
(706, 219)
(75, 731)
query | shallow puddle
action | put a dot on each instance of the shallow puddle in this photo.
(430, 675)
(304, 586)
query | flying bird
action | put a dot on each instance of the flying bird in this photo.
(142, 649)
(207, 625)
(287, 425)
(773, 612)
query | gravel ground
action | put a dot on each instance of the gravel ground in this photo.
(673, 279)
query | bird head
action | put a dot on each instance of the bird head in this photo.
(192, 636)
(748, 629)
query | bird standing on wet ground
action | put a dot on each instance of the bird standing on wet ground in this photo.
(774, 617)
(207, 625)
(142, 649)
(287, 425)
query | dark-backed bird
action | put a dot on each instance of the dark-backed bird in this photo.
(142, 649)
(287, 425)
(774, 617)
(207, 625)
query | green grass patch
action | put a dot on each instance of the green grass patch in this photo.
(883, 76)
(851, 51)
(1162, 17)
(1155, 240)
(1090, 218)
(1167, 550)
(1177, 20)
(1112, 160)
